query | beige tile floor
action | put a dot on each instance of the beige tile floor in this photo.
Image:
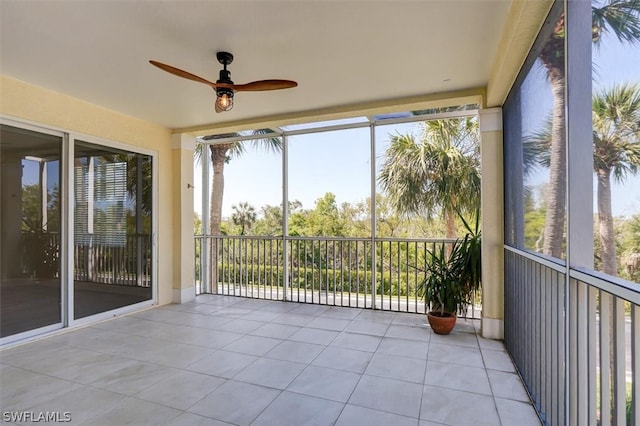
(223, 360)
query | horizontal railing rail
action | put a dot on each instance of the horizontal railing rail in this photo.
(381, 273)
(617, 286)
(574, 338)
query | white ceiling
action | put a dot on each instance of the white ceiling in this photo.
(340, 52)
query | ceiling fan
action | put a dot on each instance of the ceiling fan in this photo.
(224, 87)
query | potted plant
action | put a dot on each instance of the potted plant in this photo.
(451, 278)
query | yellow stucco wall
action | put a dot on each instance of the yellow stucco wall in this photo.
(46, 108)
(183, 190)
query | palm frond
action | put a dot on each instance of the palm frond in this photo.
(236, 149)
(621, 17)
(198, 152)
(536, 148)
(271, 144)
(437, 173)
(616, 130)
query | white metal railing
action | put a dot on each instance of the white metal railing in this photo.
(574, 339)
(380, 273)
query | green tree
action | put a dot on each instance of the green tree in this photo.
(616, 143)
(31, 207)
(622, 18)
(270, 222)
(388, 222)
(630, 248)
(197, 224)
(244, 215)
(355, 219)
(439, 174)
(326, 219)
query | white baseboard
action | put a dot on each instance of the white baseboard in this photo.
(183, 295)
(492, 328)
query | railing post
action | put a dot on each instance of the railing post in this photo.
(605, 357)
(285, 216)
(204, 265)
(591, 360)
(635, 362)
(372, 208)
(619, 363)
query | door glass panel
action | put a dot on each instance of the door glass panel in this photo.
(30, 293)
(112, 222)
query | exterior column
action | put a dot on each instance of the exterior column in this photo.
(492, 205)
(183, 245)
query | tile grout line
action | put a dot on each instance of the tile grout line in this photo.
(493, 396)
(424, 377)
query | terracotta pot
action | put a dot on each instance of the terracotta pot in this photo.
(441, 324)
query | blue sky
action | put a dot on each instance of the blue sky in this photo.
(337, 162)
(31, 171)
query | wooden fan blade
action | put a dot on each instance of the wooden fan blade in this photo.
(181, 73)
(264, 85)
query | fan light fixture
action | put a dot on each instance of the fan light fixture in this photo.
(224, 100)
(224, 95)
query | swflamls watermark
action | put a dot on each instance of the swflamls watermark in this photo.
(36, 416)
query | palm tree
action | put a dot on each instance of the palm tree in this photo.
(616, 152)
(622, 18)
(438, 174)
(244, 215)
(221, 154)
(616, 141)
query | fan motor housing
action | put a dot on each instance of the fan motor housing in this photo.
(225, 77)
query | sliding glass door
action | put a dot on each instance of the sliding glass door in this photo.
(112, 203)
(30, 218)
(75, 230)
